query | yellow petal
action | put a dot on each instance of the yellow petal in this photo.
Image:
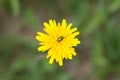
(51, 60)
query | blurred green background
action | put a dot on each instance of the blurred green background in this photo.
(98, 54)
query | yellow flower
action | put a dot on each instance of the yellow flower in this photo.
(59, 40)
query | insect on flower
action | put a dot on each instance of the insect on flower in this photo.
(59, 40)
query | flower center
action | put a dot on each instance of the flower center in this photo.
(60, 38)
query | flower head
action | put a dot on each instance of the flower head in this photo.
(59, 40)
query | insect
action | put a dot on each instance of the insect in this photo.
(60, 38)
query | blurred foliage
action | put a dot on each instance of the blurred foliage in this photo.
(97, 20)
(12, 6)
